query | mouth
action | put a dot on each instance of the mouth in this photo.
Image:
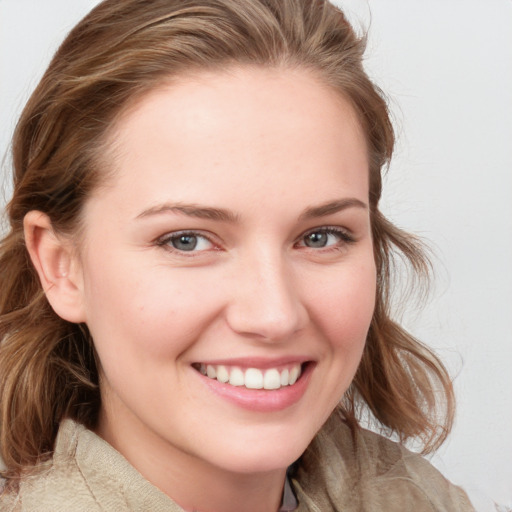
(272, 378)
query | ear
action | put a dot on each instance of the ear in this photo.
(57, 265)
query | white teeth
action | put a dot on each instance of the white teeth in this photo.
(210, 371)
(253, 378)
(294, 375)
(236, 377)
(272, 379)
(222, 374)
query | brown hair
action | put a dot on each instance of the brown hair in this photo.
(121, 50)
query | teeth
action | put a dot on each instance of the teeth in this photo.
(210, 371)
(222, 374)
(253, 378)
(236, 377)
(272, 379)
(294, 375)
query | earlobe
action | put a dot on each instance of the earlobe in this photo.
(57, 267)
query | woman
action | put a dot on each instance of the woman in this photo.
(195, 287)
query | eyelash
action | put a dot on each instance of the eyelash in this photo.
(166, 240)
(344, 239)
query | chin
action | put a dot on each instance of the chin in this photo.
(251, 463)
(264, 453)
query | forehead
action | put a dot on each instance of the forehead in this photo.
(262, 129)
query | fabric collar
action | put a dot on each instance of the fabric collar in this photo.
(289, 502)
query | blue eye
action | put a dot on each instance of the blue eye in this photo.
(317, 239)
(325, 237)
(186, 242)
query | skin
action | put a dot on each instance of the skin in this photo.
(270, 146)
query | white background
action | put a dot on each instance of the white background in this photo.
(447, 66)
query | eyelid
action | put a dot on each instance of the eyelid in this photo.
(345, 238)
(164, 241)
(344, 234)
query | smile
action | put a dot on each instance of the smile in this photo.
(252, 378)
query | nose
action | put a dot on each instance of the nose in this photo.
(265, 303)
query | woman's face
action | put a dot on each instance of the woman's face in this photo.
(231, 251)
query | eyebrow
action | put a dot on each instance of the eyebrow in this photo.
(332, 207)
(192, 210)
(224, 215)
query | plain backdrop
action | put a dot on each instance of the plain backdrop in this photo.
(446, 66)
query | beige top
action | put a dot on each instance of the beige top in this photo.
(338, 472)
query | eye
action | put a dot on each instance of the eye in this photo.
(186, 241)
(321, 238)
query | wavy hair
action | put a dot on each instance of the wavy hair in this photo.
(121, 50)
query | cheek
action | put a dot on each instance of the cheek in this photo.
(145, 312)
(345, 306)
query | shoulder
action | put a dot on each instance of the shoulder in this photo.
(56, 484)
(360, 470)
(85, 473)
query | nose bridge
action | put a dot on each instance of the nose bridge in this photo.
(266, 303)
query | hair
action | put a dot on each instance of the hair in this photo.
(121, 50)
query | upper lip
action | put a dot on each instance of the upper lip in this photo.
(257, 362)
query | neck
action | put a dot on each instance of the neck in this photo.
(228, 493)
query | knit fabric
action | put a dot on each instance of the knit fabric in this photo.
(341, 471)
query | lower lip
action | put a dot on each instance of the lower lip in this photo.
(261, 400)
